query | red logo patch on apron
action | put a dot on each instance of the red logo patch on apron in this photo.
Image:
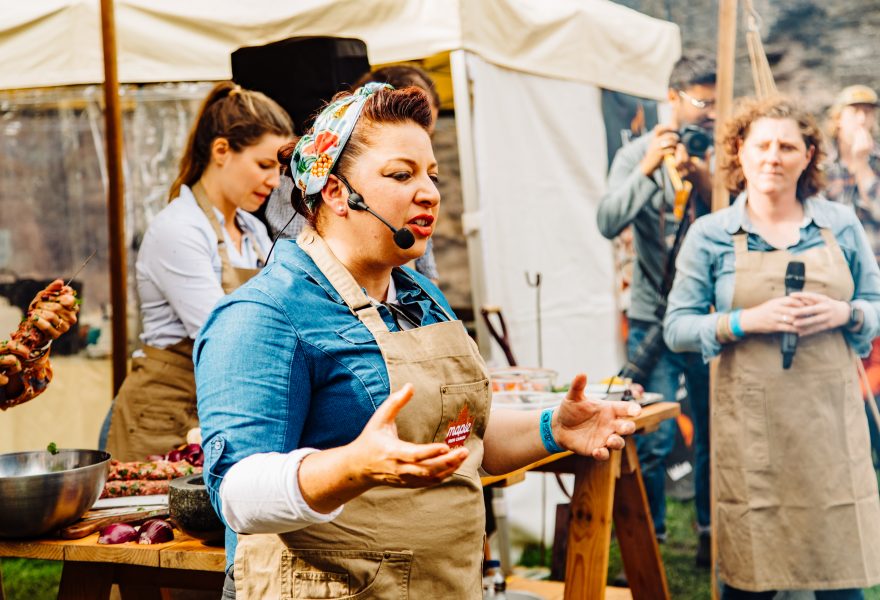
(459, 428)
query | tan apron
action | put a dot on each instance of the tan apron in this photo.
(797, 500)
(391, 543)
(156, 405)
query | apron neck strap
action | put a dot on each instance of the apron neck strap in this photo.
(740, 244)
(229, 278)
(828, 236)
(341, 280)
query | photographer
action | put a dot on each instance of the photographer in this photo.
(641, 194)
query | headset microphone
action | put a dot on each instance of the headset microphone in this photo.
(403, 237)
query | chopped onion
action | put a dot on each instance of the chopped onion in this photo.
(155, 531)
(117, 533)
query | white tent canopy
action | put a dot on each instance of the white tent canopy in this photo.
(58, 42)
(527, 77)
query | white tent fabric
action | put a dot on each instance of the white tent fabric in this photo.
(541, 164)
(58, 42)
(537, 135)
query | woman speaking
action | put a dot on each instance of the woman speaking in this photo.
(344, 410)
(797, 501)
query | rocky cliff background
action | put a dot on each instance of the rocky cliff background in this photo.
(814, 47)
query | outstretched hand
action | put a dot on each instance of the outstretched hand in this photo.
(388, 460)
(592, 427)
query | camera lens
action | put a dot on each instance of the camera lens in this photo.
(696, 140)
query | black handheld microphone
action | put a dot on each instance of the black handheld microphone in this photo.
(794, 282)
(403, 237)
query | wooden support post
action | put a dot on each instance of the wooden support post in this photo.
(725, 65)
(589, 532)
(115, 197)
(85, 581)
(635, 532)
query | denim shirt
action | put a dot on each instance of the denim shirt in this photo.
(282, 364)
(705, 271)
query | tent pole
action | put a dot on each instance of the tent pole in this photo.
(470, 196)
(725, 67)
(724, 88)
(115, 196)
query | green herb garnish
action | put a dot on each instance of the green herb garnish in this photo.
(52, 448)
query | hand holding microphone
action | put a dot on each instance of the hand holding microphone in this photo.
(795, 275)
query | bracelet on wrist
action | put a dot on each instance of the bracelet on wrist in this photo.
(547, 438)
(735, 325)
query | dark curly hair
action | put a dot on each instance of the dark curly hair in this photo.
(735, 130)
(410, 104)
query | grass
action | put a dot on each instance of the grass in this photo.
(25, 579)
(38, 579)
(686, 580)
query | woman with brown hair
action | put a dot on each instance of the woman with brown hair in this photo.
(340, 378)
(203, 245)
(796, 496)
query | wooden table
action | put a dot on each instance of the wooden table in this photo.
(605, 493)
(90, 569)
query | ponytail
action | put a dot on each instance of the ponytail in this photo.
(239, 116)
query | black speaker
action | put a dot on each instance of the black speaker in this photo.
(301, 73)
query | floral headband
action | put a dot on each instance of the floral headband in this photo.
(317, 152)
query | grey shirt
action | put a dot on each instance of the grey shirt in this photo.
(279, 210)
(634, 199)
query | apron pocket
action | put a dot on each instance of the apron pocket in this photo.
(455, 398)
(755, 437)
(344, 574)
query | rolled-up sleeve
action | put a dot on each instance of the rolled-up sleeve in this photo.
(689, 326)
(866, 294)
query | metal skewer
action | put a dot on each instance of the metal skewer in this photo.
(81, 267)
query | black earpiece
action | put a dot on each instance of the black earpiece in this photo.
(355, 201)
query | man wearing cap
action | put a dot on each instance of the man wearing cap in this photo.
(854, 164)
(853, 172)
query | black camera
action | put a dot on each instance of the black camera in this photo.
(696, 140)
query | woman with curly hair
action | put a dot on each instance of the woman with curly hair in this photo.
(797, 503)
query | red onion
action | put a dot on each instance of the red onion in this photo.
(155, 531)
(174, 456)
(193, 455)
(117, 533)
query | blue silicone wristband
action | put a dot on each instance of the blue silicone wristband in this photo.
(735, 327)
(550, 444)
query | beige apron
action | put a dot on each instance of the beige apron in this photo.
(797, 500)
(156, 405)
(391, 543)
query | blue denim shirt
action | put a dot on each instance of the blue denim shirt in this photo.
(282, 364)
(705, 272)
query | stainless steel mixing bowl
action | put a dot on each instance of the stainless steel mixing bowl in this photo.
(41, 492)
